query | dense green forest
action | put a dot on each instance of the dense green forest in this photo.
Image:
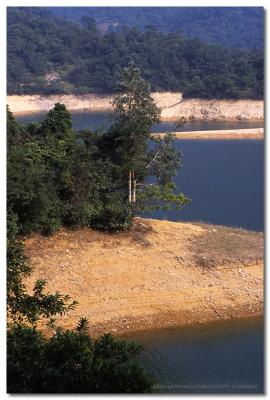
(50, 55)
(241, 27)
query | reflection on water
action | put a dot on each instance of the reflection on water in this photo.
(95, 120)
(218, 357)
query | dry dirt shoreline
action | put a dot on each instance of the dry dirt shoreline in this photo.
(253, 133)
(157, 275)
(173, 106)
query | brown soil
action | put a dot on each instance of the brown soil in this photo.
(253, 133)
(159, 274)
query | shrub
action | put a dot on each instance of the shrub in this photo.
(72, 362)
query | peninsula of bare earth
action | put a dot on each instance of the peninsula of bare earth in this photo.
(158, 274)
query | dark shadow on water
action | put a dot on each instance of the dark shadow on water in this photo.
(217, 357)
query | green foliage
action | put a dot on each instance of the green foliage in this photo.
(157, 191)
(17, 266)
(149, 164)
(24, 349)
(58, 123)
(31, 195)
(12, 128)
(161, 197)
(115, 213)
(134, 113)
(80, 59)
(163, 158)
(72, 362)
(56, 178)
(83, 326)
(206, 23)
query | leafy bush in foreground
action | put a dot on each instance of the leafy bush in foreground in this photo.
(72, 362)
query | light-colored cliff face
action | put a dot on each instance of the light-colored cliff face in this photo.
(91, 102)
(173, 106)
(209, 110)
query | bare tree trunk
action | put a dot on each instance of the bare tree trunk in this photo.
(129, 187)
(134, 189)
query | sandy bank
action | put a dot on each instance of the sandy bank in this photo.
(254, 133)
(159, 274)
(172, 104)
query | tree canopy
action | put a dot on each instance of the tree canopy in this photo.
(149, 163)
(48, 54)
(238, 27)
(58, 177)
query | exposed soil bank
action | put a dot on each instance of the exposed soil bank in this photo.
(159, 274)
(172, 104)
(254, 133)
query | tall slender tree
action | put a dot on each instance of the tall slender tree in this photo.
(134, 113)
(142, 156)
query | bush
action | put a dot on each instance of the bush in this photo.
(72, 362)
(114, 215)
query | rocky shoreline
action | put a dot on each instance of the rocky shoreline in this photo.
(253, 133)
(173, 106)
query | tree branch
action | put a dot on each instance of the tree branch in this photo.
(153, 159)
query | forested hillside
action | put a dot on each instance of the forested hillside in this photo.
(50, 55)
(227, 26)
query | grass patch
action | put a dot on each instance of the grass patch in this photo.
(219, 245)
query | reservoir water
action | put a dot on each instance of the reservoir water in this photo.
(94, 120)
(217, 357)
(225, 180)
